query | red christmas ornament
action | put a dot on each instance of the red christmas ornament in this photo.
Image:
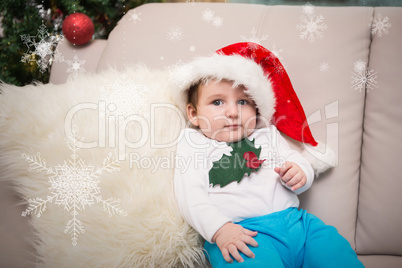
(78, 28)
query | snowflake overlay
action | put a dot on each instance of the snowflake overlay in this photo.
(311, 26)
(324, 67)
(126, 96)
(363, 78)
(209, 16)
(74, 185)
(191, 2)
(44, 50)
(134, 16)
(192, 48)
(254, 38)
(380, 25)
(175, 34)
(277, 52)
(76, 66)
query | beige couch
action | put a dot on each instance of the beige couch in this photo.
(348, 78)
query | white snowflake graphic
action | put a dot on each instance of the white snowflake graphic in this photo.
(192, 2)
(279, 68)
(360, 66)
(180, 73)
(76, 66)
(134, 16)
(274, 58)
(192, 48)
(308, 9)
(311, 26)
(254, 38)
(127, 97)
(277, 52)
(217, 22)
(175, 33)
(43, 52)
(363, 78)
(324, 67)
(380, 25)
(209, 16)
(74, 185)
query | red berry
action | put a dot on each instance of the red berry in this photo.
(252, 160)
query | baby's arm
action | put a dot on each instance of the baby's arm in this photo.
(191, 192)
(292, 175)
(232, 238)
(296, 173)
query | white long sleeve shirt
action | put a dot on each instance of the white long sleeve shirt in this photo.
(207, 208)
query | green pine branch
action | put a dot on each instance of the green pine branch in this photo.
(21, 17)
(233, 167)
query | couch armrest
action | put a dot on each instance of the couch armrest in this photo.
(90, 53)
(15, 231)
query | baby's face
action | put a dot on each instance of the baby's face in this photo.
(223, 113)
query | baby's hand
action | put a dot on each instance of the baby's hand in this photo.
(292, 175)
(231, 238)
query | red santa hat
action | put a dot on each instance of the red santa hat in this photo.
(267, 83)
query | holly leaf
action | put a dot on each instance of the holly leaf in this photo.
(235, 166)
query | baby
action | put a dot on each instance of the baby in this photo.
(240, 189)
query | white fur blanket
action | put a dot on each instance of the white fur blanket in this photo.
(93, 160)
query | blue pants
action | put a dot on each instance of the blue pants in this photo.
(291, 238)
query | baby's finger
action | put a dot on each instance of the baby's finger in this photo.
(297, 186)
(250, 233)
(245, 249)
(226, 255)
(294, 178)
(285, 167)
(249, 240)
(235, 253)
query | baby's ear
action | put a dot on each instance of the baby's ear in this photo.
(192, 114)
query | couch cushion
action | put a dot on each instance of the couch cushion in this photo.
(187, 30)
(160, 35)
(334, 108)
(380, 218)
(376, 261)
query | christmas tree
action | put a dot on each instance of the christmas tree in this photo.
(31, 29)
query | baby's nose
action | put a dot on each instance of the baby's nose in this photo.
(232, 111)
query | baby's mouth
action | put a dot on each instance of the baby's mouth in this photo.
(233, 126)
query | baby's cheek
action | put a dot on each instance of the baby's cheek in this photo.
(250, 131)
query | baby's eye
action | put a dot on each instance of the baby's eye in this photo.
(242, 102)
(217, 102)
